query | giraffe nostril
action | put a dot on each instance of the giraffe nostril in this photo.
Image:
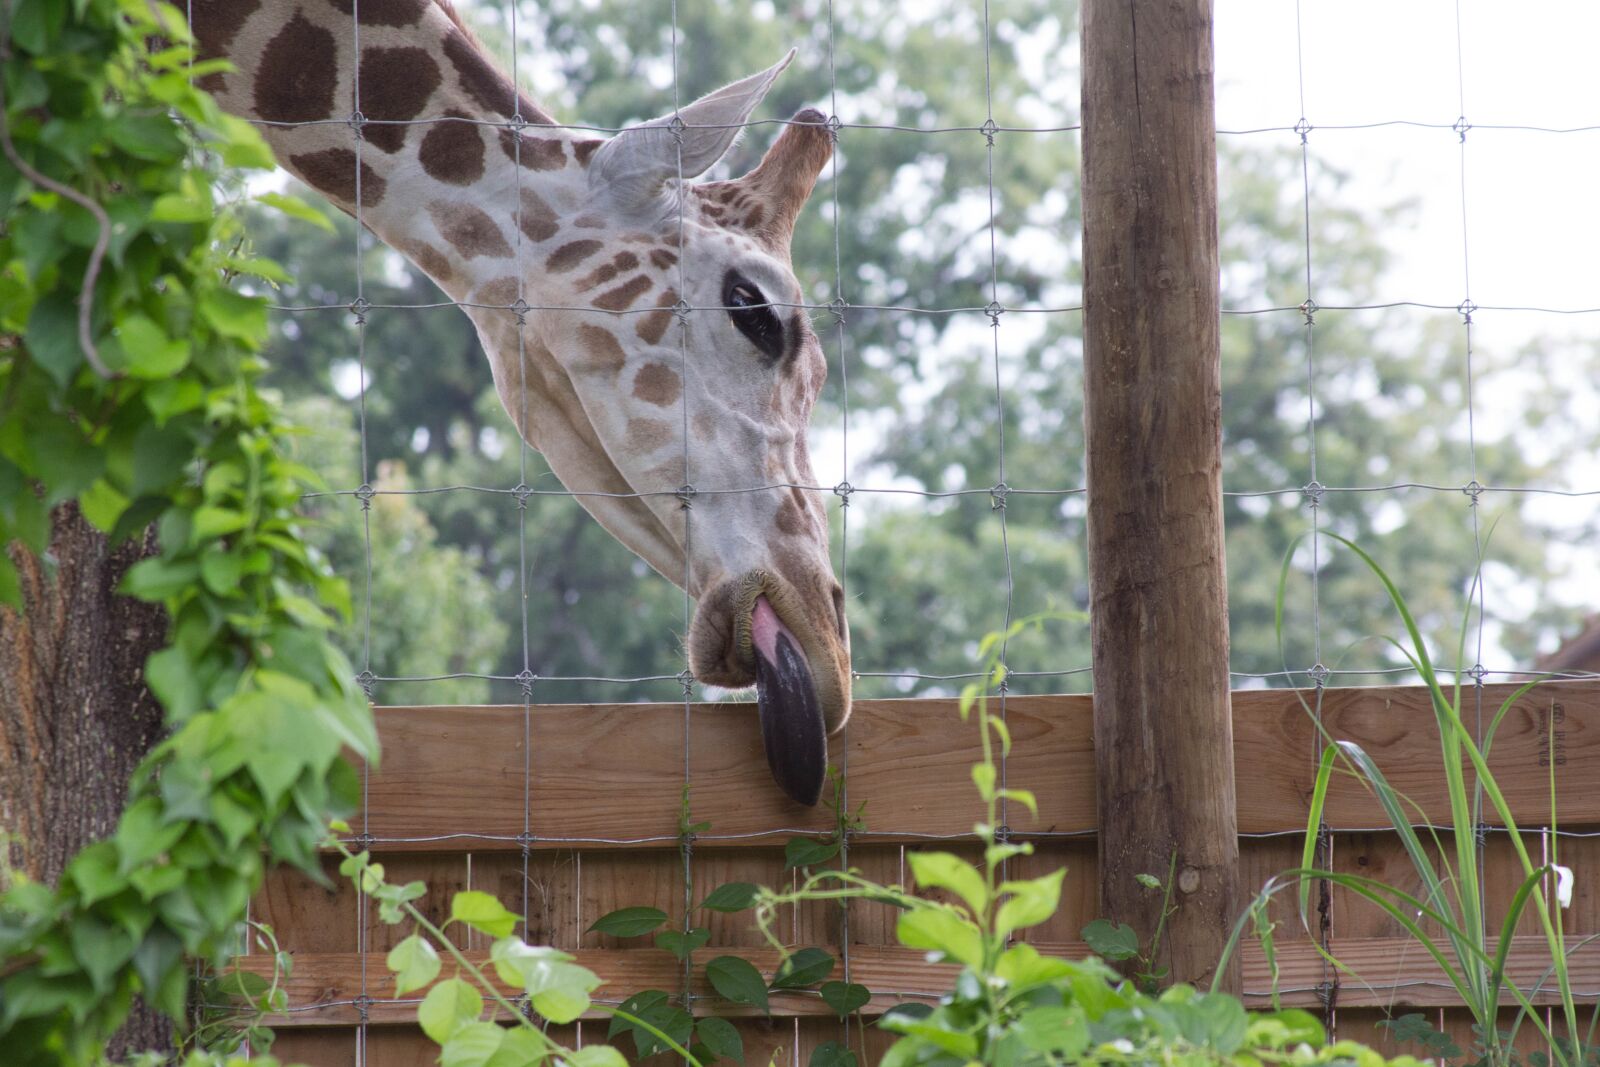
(838, 610)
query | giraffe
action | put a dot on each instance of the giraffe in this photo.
(513, 216)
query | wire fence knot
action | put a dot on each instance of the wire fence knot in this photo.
(838, 307)
(368, 682)
(1474, 490)
(525, 679)
(356, 121)
(362, 1003)
(843, 491)
(521, 494)
(520, 310)
(365, 493)
(359, 308)
(1309, 309)
(994, 310)
(997, 496)
(677, 126)
(1319, 675)
(1303, 128)
(1461, 126)
(834, 125)
(517, 122)
(1478, 673)
(685, 494)
(1312, 491)
(686, 680)
(681, 310)
(1465, 310)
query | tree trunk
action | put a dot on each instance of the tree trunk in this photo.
(75, 716)
(1153, 424)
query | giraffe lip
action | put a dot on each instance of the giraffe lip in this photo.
(794, 731)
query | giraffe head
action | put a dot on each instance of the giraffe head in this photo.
(696, 369)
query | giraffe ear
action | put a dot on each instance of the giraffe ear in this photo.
(634, 166)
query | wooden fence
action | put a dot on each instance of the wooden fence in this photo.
(570, 812)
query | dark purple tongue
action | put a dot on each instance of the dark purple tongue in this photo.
(792, 727)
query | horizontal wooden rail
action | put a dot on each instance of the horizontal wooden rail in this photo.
(458, 779)
(1381, 972)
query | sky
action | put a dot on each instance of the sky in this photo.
(1511, 213)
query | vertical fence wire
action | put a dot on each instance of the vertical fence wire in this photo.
(1313, 493)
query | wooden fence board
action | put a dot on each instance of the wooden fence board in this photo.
(453, 778)
(1381, 972)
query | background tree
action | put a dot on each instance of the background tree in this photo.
(926, 575)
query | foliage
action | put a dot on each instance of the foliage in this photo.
(178, 433)
(1451, 899)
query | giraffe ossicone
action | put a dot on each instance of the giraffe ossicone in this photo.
(645, 333)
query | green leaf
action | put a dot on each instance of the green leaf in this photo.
(680, 943)
(845, 998)
(414, 962)
(735, 896)
(52, 336)
(94, 871)
(942, 931)
(1054, 1030)
(149, 351)
(449, 1006)
(722, 1038)
(1111, 941)
(808, 852)
(102, 505)
(942, 870)
(983, 776)
(235, 316)
(1022, 966)
(832, 1054)
(482, 912)
(296, 208)
(598, 1056)
(1031, 902)
(557, 988)
(738, 981)
(805, 968)
(472, 1045)
(629, 922)
(1149, 881)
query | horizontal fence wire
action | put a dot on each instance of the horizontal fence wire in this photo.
(1311, 494)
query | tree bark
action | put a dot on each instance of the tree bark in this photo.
(75, 715)
(1153, 425)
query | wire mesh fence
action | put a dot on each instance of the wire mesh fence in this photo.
(1294, 487)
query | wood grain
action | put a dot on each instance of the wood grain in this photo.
(1380, 972)
(452, 777)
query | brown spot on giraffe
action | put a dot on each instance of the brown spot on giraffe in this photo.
(622, 297)
(533, 153)
(433, 262)
(538, 221)
(480, 80)
(452, 151)
(658, 384)
(715, 211)
(605, 272)
(654, 324)
(502, 292)
(602, 348)
(590, 222)
(661, 259)
(647, 435)
(332, 172)
(215, 23)
(384, 12)
(582, 150)
(753, 217)
(705, 427)
(395, 86)
(296, 79)
(570, 255)
(469, 230)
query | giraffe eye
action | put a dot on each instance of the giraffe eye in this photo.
(752, 315)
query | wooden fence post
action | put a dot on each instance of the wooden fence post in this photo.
(1153, 425)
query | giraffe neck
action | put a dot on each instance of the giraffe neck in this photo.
(402, 122)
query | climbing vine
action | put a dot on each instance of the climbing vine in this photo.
(129, 386)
